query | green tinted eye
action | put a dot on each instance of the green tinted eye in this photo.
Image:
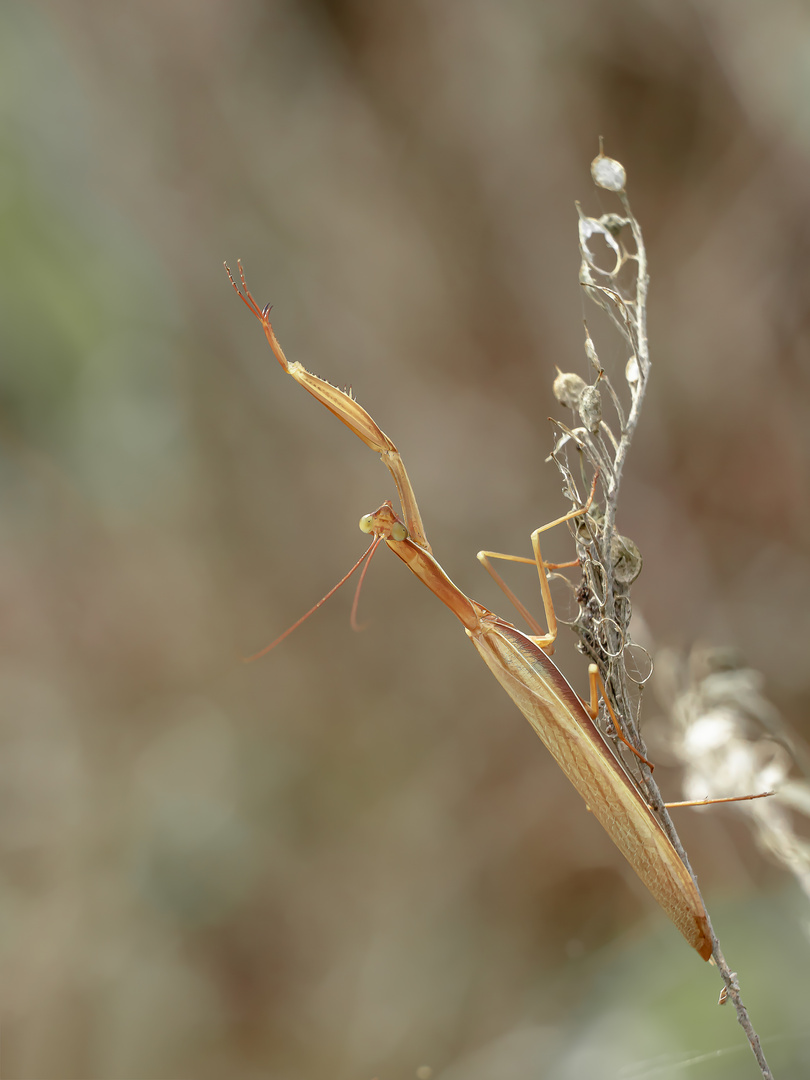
(367, 523)
(398, 531)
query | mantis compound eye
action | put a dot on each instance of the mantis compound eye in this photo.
(367, 523)
(398, 531)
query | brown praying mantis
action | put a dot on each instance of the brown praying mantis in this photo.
(522, 665)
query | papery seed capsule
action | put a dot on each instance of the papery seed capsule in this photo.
(608, 173)
(590, 351)
(590, 408)
(568, 388)
(626, 559)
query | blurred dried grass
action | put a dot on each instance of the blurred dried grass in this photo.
(354, 857)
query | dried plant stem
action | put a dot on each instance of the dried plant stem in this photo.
(604, 603)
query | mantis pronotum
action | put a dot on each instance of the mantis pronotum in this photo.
(521, 664)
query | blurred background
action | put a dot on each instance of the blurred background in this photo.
(354, 859)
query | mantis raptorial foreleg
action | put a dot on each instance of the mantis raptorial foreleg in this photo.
(346, 409)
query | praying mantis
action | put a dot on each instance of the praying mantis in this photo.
(522, 665)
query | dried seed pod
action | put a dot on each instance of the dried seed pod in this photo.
(590, 408)
(568, 388)
(590, 351)
(587, 527)
(608, 173)
(626, 559)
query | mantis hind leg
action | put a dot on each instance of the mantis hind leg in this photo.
(597, 690)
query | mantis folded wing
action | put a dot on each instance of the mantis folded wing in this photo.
(524, 669)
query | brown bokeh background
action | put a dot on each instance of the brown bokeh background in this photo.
(354, 859)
